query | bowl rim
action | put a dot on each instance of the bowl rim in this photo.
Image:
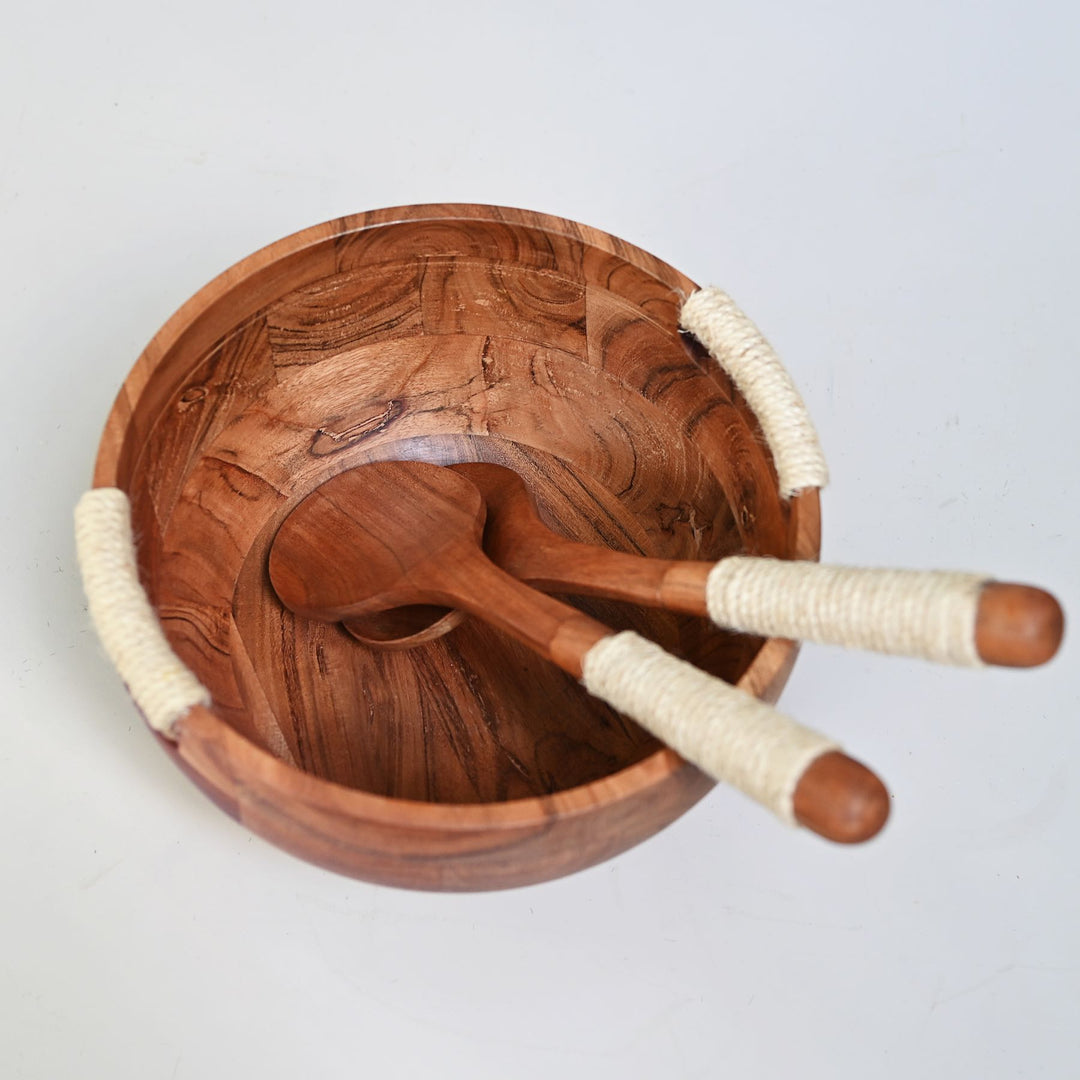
(202, 731)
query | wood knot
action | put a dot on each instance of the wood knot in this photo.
(191, 396)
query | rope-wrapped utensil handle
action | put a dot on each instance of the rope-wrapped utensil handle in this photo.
(796, 773)
(951, 618)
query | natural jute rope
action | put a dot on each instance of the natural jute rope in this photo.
(163, 688)
(730, 734)
(741, 350)
(929, 614)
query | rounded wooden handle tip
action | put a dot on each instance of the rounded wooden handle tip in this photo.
(1017, 625)
(841, 799)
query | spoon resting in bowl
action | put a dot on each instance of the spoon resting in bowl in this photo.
(1008, 624)
(395, 534)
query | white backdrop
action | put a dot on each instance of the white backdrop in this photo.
(890, 191)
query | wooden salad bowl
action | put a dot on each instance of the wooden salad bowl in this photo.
(443, 333)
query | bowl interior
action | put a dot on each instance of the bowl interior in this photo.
(462, 334)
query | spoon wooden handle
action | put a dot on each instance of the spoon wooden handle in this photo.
(729, 734)
(940, 616)
(738, 739)
(935, 615)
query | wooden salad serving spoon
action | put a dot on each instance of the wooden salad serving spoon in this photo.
(394, 534)
(1014, 625)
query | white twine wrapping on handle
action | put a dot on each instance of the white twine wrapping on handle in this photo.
(742, 351)
(924, 613)
(728, 733)
(163, 687)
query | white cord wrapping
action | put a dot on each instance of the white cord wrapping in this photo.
(162, 687)
(928, 614)
(729, 734)
(739, 347)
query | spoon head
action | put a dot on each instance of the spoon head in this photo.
(503, 490)
(377, 537)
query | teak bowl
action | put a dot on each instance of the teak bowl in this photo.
(444, 333)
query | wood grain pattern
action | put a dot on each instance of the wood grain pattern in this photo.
(445, 334)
